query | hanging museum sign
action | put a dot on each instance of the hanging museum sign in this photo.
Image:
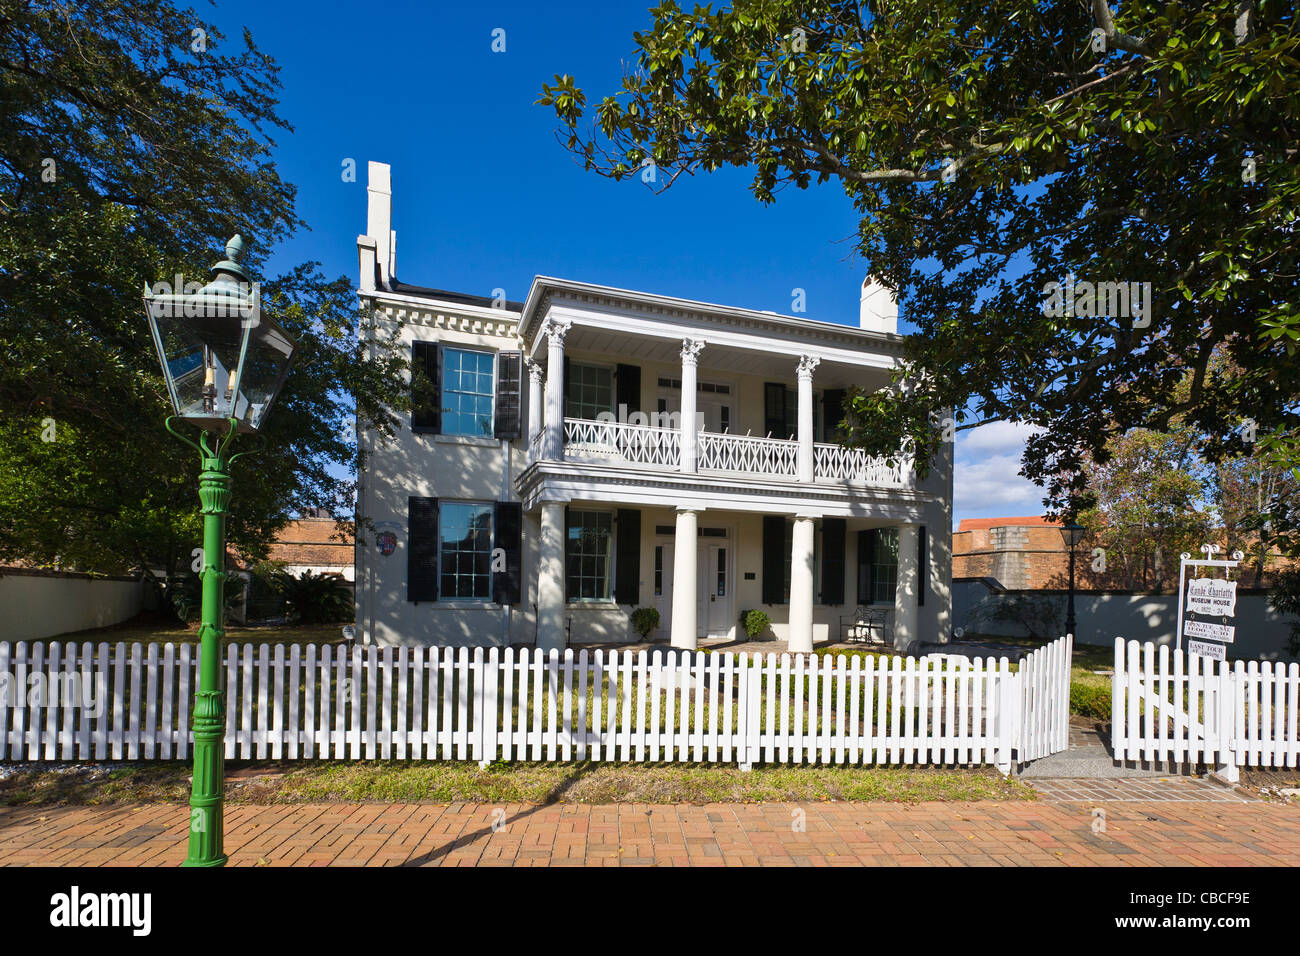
(1206, 597)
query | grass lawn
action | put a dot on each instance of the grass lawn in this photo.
(524, 782)
(153, 633)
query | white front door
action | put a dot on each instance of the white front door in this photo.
(663, 586)
(715, 591)
(713, 597)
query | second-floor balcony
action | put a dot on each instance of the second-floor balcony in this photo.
(659, 448)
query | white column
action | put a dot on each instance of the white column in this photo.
(534, 399)
(550, 578)
(685, 579)
(906, 634)
(801, 586)
(691, 349)
(805, 373)
(553, 444)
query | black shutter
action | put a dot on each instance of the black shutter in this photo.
(628, 388)
(832, 412)
(833, 531)
(426, 396)
(421, 549)
(569, 571)
(922, 564)
(627, 556)
(774, 409)
(509, 403)
(773, 559)
(507, 521)
(866, 548)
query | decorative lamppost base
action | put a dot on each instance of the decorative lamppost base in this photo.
(207, 794)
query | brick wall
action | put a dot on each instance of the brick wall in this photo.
(1017, 554)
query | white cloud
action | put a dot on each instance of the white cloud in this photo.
(986, 482)
(996, 437)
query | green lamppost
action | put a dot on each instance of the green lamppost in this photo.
(224, 362)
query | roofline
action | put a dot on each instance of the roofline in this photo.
(543, 284)
(427, 302)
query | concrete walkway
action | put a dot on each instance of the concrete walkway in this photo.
(825, 834)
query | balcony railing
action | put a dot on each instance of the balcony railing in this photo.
(838, 463)
(660, 448)
(752, 456)
(617, 441)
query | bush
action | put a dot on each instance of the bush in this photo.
(1088, 700)
(644, 620)
(184, 593)
(314, 598)
(754, 622)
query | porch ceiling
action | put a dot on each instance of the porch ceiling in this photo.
(720, 359)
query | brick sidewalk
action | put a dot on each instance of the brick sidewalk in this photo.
(837, 834)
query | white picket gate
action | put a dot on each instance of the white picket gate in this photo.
(1175, 707)
(297, 702)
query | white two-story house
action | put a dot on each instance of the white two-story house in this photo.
(592, 450)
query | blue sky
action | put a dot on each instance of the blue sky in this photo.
(484, 197)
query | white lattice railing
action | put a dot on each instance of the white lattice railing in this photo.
(586, 439)
(619, 441)
(752, 456)
(837, 463)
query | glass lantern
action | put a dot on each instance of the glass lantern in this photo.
(223, 359)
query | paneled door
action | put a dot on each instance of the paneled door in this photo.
(714, 604)
(715, 601)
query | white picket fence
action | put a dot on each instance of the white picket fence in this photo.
(133, 702)
(1179, 708)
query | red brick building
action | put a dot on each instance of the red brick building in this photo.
(1017, 552)
(310, 544)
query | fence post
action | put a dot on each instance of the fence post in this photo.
(1230, 723)
(1008, 693)
(1117, 701)
(745, 688)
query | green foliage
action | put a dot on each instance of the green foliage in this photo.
(129, 157)
(312, 598)
(1148, 508)
(990, 148)
(644, 620)
(1089, 700)
(754, 622)
(184, 594)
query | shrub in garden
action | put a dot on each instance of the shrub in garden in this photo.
(644, 620)
(1088, 700)
(312, 598)
(754, 622)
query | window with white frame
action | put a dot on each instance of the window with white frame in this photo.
(588, 554)
(467, 388)
(590, 391)
(883, 565)
(465, 551)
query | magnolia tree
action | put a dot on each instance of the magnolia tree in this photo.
(135, 140)
(1079, 203)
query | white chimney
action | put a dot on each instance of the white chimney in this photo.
(379, 219)
(878, 309)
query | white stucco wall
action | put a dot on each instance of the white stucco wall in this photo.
(34, 606)
(453, 468)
